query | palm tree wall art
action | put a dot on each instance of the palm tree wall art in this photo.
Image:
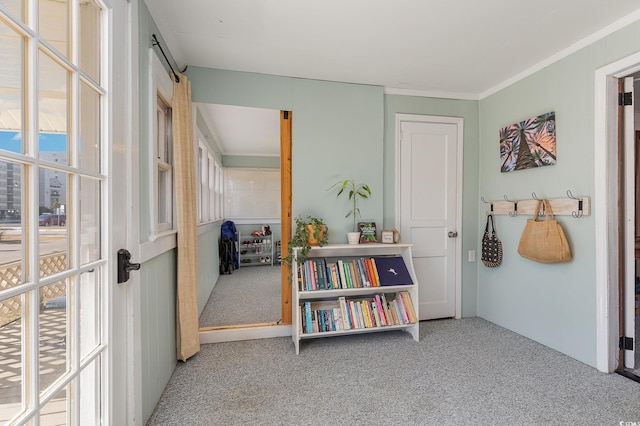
(529, 143)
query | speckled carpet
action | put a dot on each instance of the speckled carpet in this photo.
(461, 372)
(249, 295)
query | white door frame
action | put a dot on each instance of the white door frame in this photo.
(605, 207)
(459, 122)
(124, 362)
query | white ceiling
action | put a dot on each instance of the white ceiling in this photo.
(464, 49)
(242, 130)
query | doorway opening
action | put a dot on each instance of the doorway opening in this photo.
(258, 177)
(615, 167)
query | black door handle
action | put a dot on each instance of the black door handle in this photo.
(125, 266)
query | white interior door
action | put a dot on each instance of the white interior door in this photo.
(629, 328)
(430, 187)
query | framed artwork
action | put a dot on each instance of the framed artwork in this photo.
(367, 232)
(529, 143)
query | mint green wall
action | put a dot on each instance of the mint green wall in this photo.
(208, 264)
(552, 304)
(468, 235)
(158, 275)
(337, 133)
(157, 327)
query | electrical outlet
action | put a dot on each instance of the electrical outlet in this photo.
(472, 255)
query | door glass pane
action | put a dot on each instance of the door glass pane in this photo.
(54, 23)
(89, 143)
(89, 311)
(53, 227)
(11, 231)
(90, 386)
(53, 333)
(52, 109)
(11, 355)
(89, 40)
(54, 413)
(90, 197)
(11, 58)
(15, 6)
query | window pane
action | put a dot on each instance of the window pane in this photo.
(90, 199)
(164, 196)
(11, 258)
(210, 189)
(54, 23)
(53, 333)
(15, 6)
(89, 143)
(11, 58)
(89, 311)
(90, 394)
(89, 40)
(52, 109)
(54, 240)
(54, 413)
(11, 366)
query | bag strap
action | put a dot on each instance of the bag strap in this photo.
(547, 209)
(537, 210)
(493, 225)
(486, 227)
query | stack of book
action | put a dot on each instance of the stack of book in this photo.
(322, 274)
(357, 313)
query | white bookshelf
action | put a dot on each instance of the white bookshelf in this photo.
(333, 252)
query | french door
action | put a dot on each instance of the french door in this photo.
(56, 116)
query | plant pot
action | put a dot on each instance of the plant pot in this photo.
(353, 237)
(312, 240)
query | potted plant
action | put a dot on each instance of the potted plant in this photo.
(354, 192)
(309, 231)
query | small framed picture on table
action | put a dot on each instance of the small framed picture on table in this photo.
(367, 232)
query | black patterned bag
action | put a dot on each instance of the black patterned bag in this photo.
(491, 245)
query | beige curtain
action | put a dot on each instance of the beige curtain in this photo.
(187, 339)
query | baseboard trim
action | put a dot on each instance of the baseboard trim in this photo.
(244, 333)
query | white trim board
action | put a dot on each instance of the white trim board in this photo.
(247, 333)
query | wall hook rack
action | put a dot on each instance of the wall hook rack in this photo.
(580, 212)
(570, 205)
(514, 212)
(490, 209)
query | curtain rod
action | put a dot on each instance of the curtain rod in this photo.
(157, 43)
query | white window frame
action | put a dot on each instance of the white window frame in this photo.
(209, 187)
(161, 86)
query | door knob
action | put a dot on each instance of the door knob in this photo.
(453, 234)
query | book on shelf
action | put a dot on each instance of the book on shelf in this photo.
(392, 271)
(307, 312)
(406, 297)
(359, 313)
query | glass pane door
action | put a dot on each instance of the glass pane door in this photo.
(52, 184)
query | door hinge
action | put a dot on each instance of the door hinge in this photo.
(286, 115)
(625, 98)
(626, 343)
